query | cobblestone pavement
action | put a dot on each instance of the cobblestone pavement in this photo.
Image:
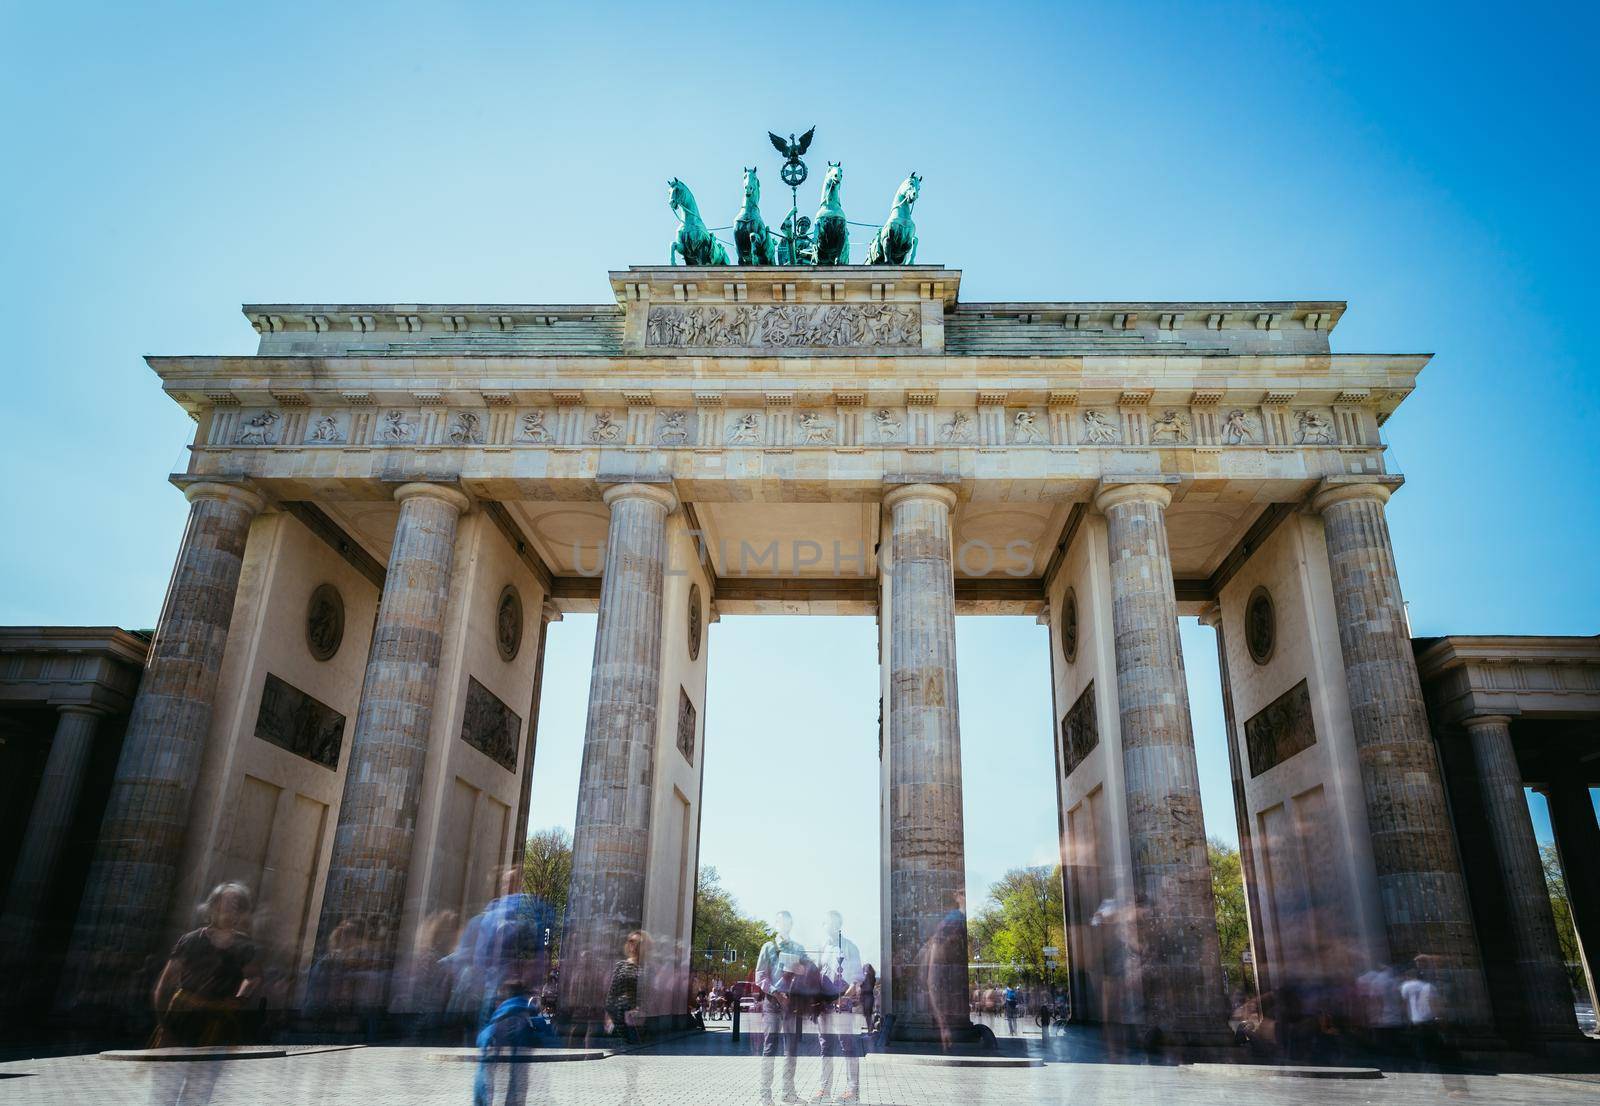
(710, 1070)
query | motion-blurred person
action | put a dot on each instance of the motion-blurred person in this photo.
(838, 1022)
(623, 1014)
(780, 962)
(869, 997)
(203, 991)
(513, 1027)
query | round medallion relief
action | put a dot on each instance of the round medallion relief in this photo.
(695, 622)
(1069, 625)
(508, 623)
(1260, 625)
(325, 622)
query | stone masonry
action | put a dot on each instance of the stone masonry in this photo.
(1179, 957)
(611, 839)
(927, 866)
(1424, 896)
(128, 891)
(372, 845)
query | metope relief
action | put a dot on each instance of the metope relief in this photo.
(1170, 428)
(1240, 427)
(887, 425)
(1314, 428)
(1026, 429)
(605, 429)
(327, 429)
(396, 427)
(958, 429)
(1281, 729)
(672, 428)
(531, 428)
(814, 429)
(490, 727)
(260, 428)
(294, 721)
(785, 327)
(1080, 732)
(1099, 428)
(466, 428)
(744, 428)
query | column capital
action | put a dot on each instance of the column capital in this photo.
(233, 493)
(548, 611)
(442, 492)
(88, 709)
(1211, 615)
(655, 493)
(1342, 489)
(1126, 489)
(1480, 720)
(904, 493)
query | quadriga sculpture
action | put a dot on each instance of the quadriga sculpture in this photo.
(751, 238)
(829, 230)
(896, 243)
(695, 244)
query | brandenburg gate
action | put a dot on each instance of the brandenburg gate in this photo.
(390, 502)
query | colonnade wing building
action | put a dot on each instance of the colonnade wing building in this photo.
(389, 504)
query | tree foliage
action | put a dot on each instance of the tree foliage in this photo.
(720, 925)
(1233, 920)
(1555, 881)
(1022, 916)
(546, 871)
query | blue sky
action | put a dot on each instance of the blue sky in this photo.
(1433, 164)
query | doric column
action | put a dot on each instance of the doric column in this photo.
(1577, 834)
(1419, 872)
(128, 892)
(377, 825)
(611, 835)
(548, 613)
(55, 805)
(1544, 988)
(1180, 962)
(927, 862)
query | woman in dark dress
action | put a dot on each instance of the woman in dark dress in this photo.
(212, 971)
(622, 993)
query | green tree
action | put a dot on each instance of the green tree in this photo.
(1233, 920)
(1555, 880)
(546, 871)
(720, 925)
(1021, 917)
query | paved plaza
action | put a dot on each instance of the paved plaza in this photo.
(710, 1069)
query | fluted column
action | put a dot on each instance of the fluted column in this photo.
(372, 843)
(1180, 962)
(1545, 992)
(927, 861)
(128, 892)
(1424, 895)
(611, 835)
(1577, 833)
(55, 805)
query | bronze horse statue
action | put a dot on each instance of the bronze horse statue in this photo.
(896, 243)
(829, 230)
(695, 244)
(751, 238)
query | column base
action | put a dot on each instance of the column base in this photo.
(962, 1033)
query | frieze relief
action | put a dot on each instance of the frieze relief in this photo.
(792, 326)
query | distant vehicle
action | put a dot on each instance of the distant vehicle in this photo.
(1585, 1012)
(748, 993)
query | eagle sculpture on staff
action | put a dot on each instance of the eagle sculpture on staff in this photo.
(792, 150)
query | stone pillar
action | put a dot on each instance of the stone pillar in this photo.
(1577, 836)
(1181, 984)
(372, 842)
(127, 895)
(1546, 993)
(55, 805)
(1424, 895)
(611, 835)
(548, 613)
(927, 861)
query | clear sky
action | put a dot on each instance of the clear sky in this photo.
(1433, 164)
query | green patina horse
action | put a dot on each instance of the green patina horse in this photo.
(751, 238)
(829, 230)
(695, 244)
(896, 243)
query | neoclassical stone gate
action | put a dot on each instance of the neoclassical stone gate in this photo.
(390, 502)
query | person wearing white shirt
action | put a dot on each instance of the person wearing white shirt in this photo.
(838, 1023)
(781, 961)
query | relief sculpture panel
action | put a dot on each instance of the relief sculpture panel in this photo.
(1280, 729)
(1080, 731)
(785, 327)
(293, 720)
(491, 727)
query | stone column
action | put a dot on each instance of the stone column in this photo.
(372, 842)
(1577, 836)
(611, 836)
(927, 860)
(55, 805)
(1425, 905)
(548, 613)
(127, 895)
(1546, 993)
(1180, 960)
